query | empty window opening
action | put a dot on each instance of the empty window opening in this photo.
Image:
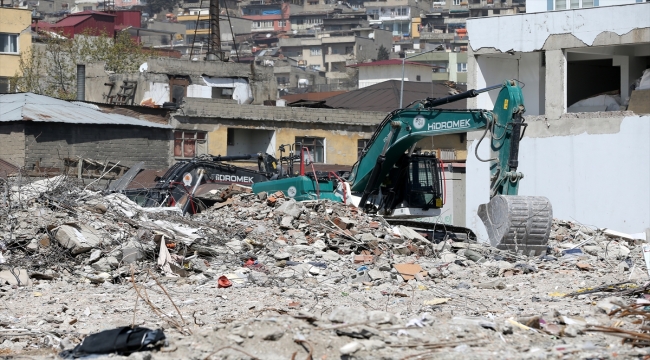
(589, 78)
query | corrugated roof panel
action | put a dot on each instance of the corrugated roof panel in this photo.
(384, 96)
(33, 107)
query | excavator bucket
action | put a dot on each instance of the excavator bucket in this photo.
(521, 224)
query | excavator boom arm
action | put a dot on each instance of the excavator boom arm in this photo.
(403, 128)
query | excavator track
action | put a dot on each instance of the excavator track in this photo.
(521, 224)
(439, 231)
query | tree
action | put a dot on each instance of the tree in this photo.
(382, 53)
(156, 6)
(51, 70)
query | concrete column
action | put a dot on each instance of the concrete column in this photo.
(556, 84)
(623, 62)
(472, 75)
(453, 66)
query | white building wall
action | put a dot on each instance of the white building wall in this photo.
(529, 32)
(370, 75)
(593, 170)
(533, 6)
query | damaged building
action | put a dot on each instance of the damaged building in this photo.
(165, 80)
(587, 114)
(43, 134)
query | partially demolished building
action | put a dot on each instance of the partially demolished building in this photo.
(591, 160)
(39, 133)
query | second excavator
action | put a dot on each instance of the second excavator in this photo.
(394, 180)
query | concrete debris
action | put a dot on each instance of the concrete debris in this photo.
(267, 277)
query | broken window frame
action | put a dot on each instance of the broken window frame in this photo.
(361, 144)
(315, 146)
(190, 143)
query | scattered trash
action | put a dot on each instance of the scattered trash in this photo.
(121, 341)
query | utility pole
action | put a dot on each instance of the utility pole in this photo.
(214, 52)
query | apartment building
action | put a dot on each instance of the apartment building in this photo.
(15, 38)
(267, 16)
(390, 15)
(333, 51)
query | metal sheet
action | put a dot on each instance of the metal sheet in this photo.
(40, 108)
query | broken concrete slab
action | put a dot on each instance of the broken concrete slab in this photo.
(78, 238)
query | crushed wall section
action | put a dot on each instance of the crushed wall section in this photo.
(48, 144)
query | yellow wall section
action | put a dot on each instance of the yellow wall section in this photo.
(217, 141)
(340, 146)
(15, 21)
(414, 27)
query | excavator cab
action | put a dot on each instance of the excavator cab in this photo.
(414, 187)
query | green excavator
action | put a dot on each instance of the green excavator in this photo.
(392, 179)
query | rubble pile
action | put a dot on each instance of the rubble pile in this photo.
(262, 276)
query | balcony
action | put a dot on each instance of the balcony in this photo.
(385, 3)
(436, 36)
(330, 58)
(455, 20)
(339, 39)
(389, 17)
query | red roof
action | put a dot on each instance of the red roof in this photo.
(390, 62)
(71, 21)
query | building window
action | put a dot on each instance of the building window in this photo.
(230, 137)
(457, 2)
(575, 4)
(222, 93)
(262, 24)
(349, 50)
(560, 4)
(418, 78)
(282, 23)
(315, 51)
(88, 8)
(316, 147)
(587, 3)
(188, 144)
(461, 67)
(283, 80)
(9, 43)
(361, 144)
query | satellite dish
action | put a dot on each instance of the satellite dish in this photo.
(268, 35)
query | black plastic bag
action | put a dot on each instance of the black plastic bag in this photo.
(122, 341)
